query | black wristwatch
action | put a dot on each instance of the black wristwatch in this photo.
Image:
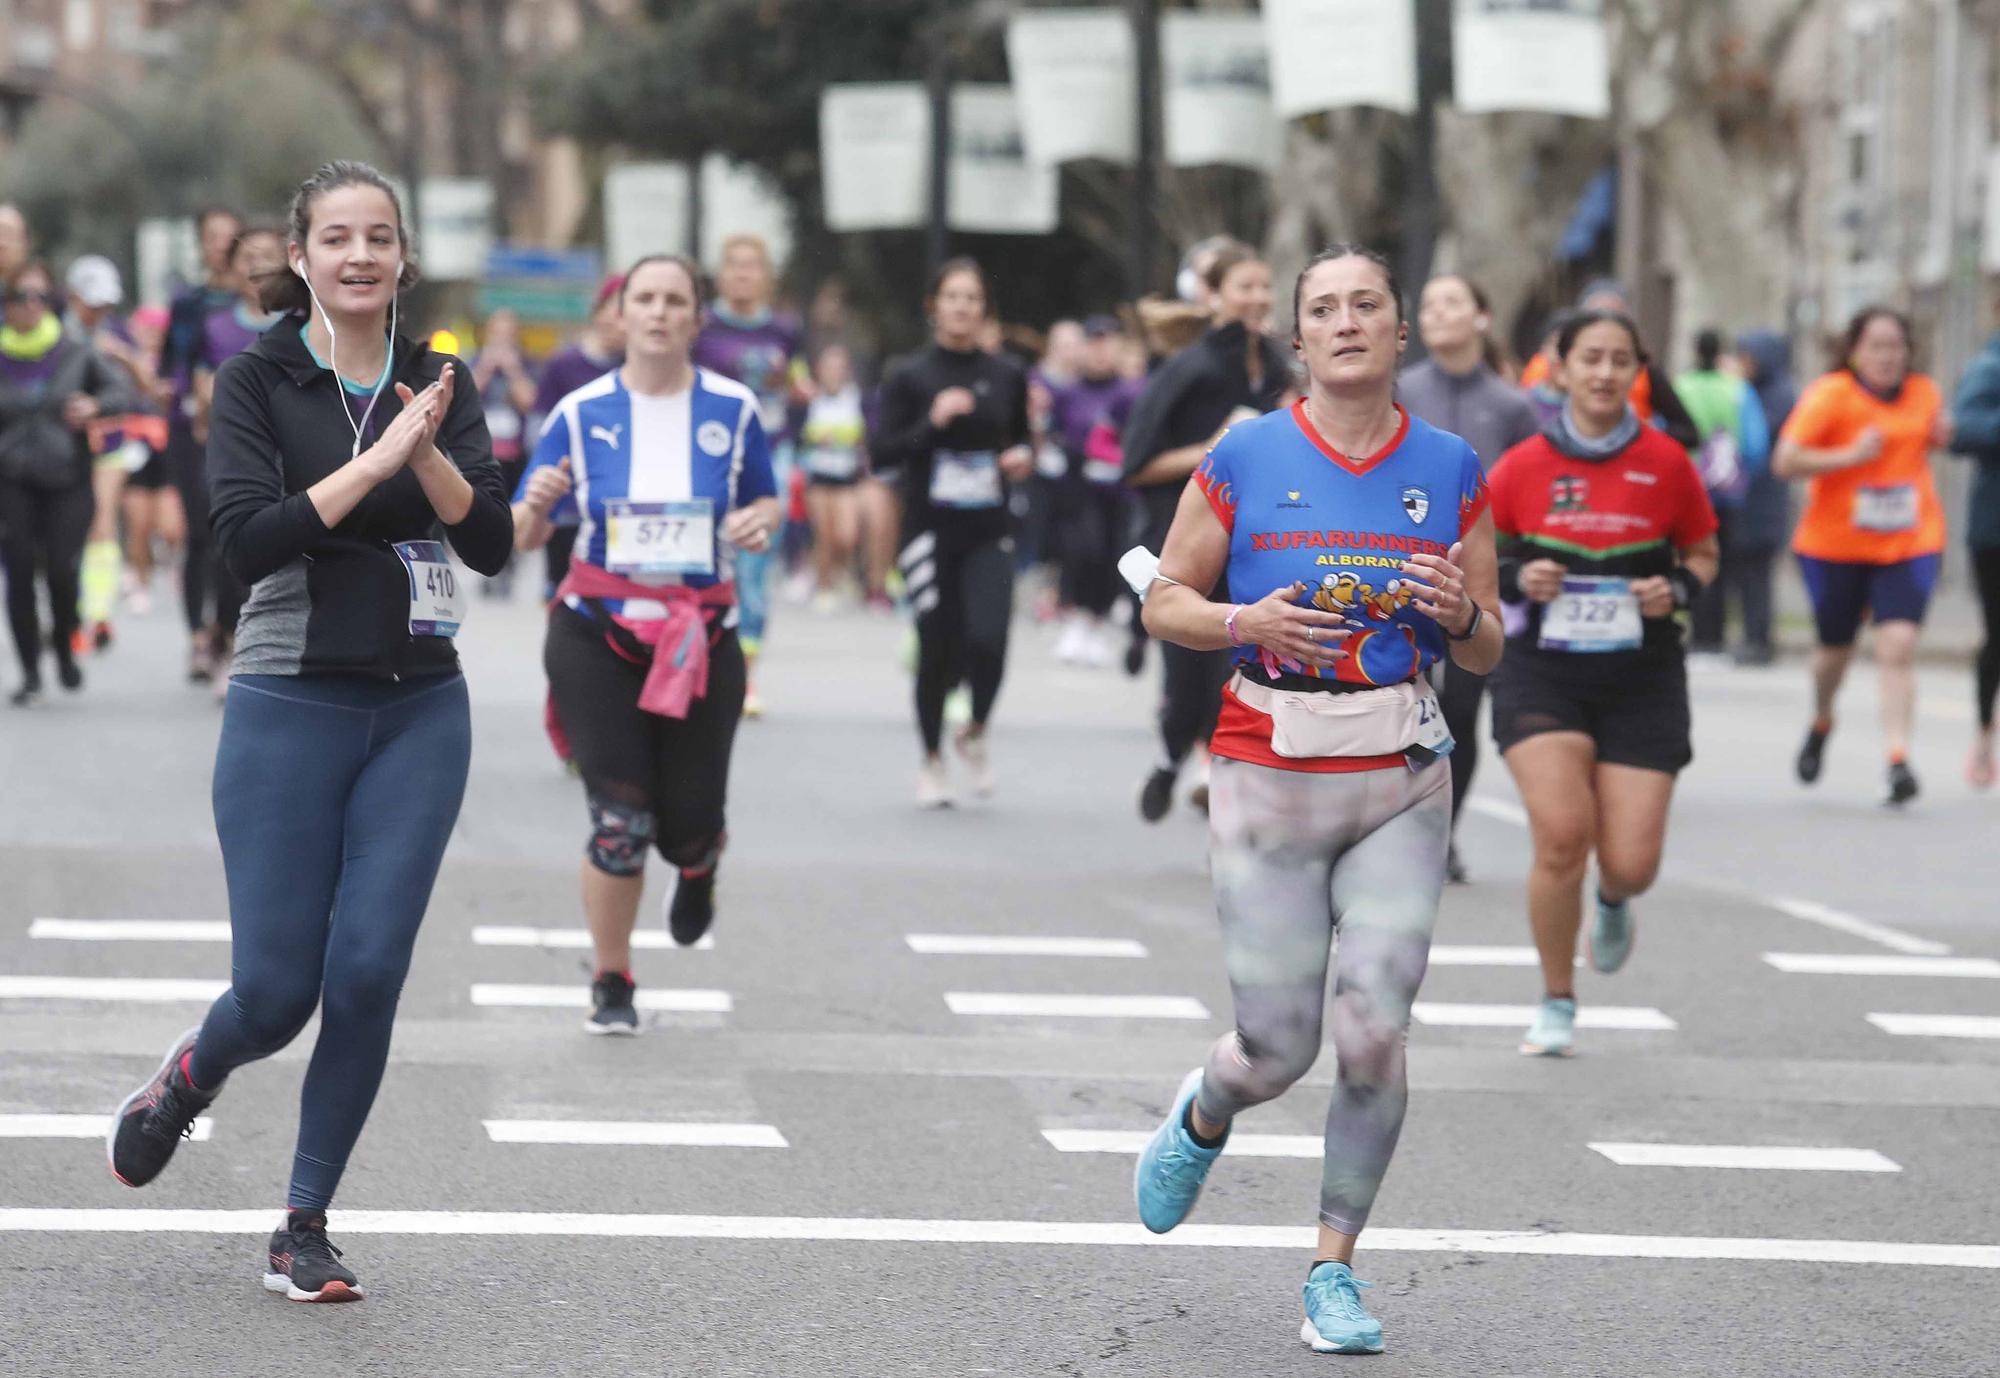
(1687, 587)
(1471, 628)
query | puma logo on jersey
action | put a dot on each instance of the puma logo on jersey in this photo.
(608, 434)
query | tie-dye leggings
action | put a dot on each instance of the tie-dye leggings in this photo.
(1297, 859)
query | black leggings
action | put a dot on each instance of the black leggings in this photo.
(963, 597)
(43, 528)
(1460, 699)
(1192, 699)
(202, 572)
(1092, 520)
(1986, 574)
(678, 768)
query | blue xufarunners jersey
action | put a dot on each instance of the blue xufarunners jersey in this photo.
(1298, 511)
(705, 443)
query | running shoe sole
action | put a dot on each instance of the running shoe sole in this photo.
(333, 1291)
(1536, 1050)
(1313, 1340)
(591, 1026)
(118, 1115)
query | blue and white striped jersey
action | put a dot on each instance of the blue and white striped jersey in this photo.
(680, 454)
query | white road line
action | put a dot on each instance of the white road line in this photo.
(1938, 1025)
(250, 1223)
(1077, 1006)
(1499, 1016)
(1873, 964)
(1504, 810)
(73, 1127)
(1131, 1142)
(651, 1133)
(576, 939)
(142, 990)
(131, 930)
(1001, 945)
(1486, 957)
(1747, 1156)
(578, 997)
(1812, 911)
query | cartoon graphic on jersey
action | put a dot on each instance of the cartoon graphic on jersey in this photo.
(1394, 597)
(1341, 593)
(1378, 660)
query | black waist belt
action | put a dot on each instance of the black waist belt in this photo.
(1310, 684)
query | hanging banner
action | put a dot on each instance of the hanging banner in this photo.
(1217, 75)
(1990, 259)
(645, 212)
(993, 186)
(457, 228)
(1328, 54)
(738, 199)
(874, 151)
(1551, 55)
(1075, 77)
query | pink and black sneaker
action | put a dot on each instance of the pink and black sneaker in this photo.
(304, 1264)
(153, 1120)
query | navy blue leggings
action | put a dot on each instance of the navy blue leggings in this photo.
(334, 798)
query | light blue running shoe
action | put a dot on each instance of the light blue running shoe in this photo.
(1173, 1167)
(1336, 1322)
(1553, 1034)
(1611, 935)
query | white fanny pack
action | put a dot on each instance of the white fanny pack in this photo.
(1388, 721)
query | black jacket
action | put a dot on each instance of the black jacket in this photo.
(336, 601)
(1186, 401)
(37, 447)
(905, 443)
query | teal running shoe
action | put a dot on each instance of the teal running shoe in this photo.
(1611, 935)
(1553, 1034)
(1173, 1167)
(1336, 1322)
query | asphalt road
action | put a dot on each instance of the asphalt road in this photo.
(918, 1219)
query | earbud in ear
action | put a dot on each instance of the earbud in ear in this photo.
(299, 268)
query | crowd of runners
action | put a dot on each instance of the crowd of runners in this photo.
(1343, 515)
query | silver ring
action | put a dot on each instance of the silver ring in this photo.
(1309, 634)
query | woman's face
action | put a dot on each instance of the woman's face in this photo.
(959, 309)
(503, 330)
(257, 256)
(1599, 370)
(1881, 356)
(835, 370)
(353, 251)
(1448, 316)
(661, 312)
(744, 279)
(1244, 296)
(28, 301)
(1350, 334)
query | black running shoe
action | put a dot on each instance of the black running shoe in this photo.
(1158, 795)
(1902, 782)
(304, 1264)
(611, 1008)
(29, 694)
(154, 1119)
(69, 674)
(693, 907)
(1812, 756)
(1454, 867)
(1198, 799)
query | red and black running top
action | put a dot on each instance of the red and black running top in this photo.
(1625, 515)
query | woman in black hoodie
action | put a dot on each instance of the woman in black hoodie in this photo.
(341, 458)
(52, 385)
(1234, 371)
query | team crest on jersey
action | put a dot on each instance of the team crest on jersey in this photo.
(1417, 502)
(1569, 494)
(713, 437)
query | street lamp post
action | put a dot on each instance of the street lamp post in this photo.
(1145, 213)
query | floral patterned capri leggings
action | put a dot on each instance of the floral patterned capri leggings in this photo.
(1301, 860)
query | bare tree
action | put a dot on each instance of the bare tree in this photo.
(1721, 138)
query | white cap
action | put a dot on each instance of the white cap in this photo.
(93, 280)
